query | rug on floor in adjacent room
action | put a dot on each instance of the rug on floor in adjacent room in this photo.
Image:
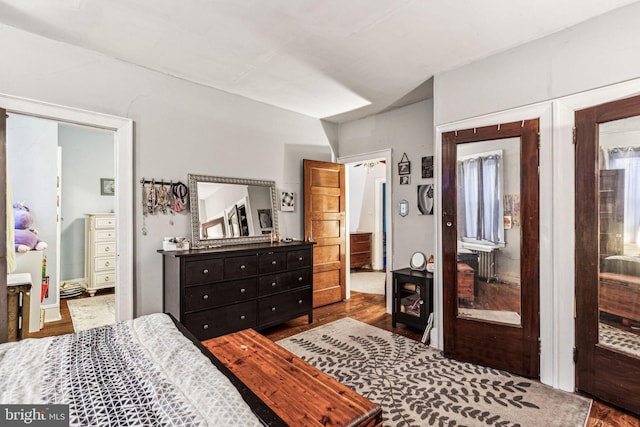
(368, 282)
(416, 386)
(87, 313)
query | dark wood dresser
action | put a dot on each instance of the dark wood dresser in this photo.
(360, 252)
(221, 290)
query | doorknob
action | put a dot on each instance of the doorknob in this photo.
(449, 223)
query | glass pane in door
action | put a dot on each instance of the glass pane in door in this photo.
(489, 233)
(619, 235)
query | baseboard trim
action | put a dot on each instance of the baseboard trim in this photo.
(52, 313)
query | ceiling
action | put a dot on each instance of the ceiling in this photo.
(334, 59)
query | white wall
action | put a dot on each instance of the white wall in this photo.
(362, 208)
(596, 53)
(408, 129)
(87, 155)
(31, 154)
(180, 128)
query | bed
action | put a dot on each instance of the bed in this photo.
(620, 287)
(140, 372)
(151, 371)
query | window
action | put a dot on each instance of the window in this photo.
(480, 198)
(628, 159)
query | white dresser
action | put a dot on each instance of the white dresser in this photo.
(100, 252)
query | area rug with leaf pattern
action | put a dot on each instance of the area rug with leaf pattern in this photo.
(416, 386)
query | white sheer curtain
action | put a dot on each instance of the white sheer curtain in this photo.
(628, 159)
(479, 197)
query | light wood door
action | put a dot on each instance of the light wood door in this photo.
(3, 227)
(324, 224)
(608, 283)
(500, 336)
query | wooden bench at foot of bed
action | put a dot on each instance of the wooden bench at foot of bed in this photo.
(298, 392)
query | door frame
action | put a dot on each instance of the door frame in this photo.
(355, 158)
(555, 317)
(470, 339)
(123, 143)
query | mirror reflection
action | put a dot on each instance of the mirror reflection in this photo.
(619, 235)
(231, 210)
(488, 250)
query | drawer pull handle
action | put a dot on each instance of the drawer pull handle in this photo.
(273, 309)
(106, 264)
(299, 301)
(106, 278)
(242, 267)
(242, 317)
(300, 279)
(274, 284)
(107, 249)
(205, 296)
(300, 258)
(205, 271)
(243, 290)
(205, 326)
(274, 262)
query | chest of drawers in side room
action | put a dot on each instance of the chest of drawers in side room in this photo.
(222, 290)
(360, 252)
(100, 252)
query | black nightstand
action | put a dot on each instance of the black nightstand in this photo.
(412, 297)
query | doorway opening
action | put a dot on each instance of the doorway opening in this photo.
(72, 163)
(368, 223)
(122, 130)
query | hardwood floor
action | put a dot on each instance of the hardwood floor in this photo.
(370, 309)
(64, 325)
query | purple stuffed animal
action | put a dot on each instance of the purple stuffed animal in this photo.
(26, 238)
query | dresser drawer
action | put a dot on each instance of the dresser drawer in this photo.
(272, 261)
(276, 308)
(218, 294)
(357, 247)
(275, 283)
(105, 222)
(203, 271)
(101, 264)
(297, 259)
(241, 266)
(103, 249)
(103, 279)
(360, 260)
(106, 235)
(219, 321)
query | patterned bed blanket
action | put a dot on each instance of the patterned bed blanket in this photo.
(143, 372)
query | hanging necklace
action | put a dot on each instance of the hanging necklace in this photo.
(180, 197)
(162, 198)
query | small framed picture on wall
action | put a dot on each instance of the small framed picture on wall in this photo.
(427, 167)
(404, 166)
(287, 201)
(405, 180)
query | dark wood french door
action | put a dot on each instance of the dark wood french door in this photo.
(325, 224)
(490, 233)
(608, 252)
